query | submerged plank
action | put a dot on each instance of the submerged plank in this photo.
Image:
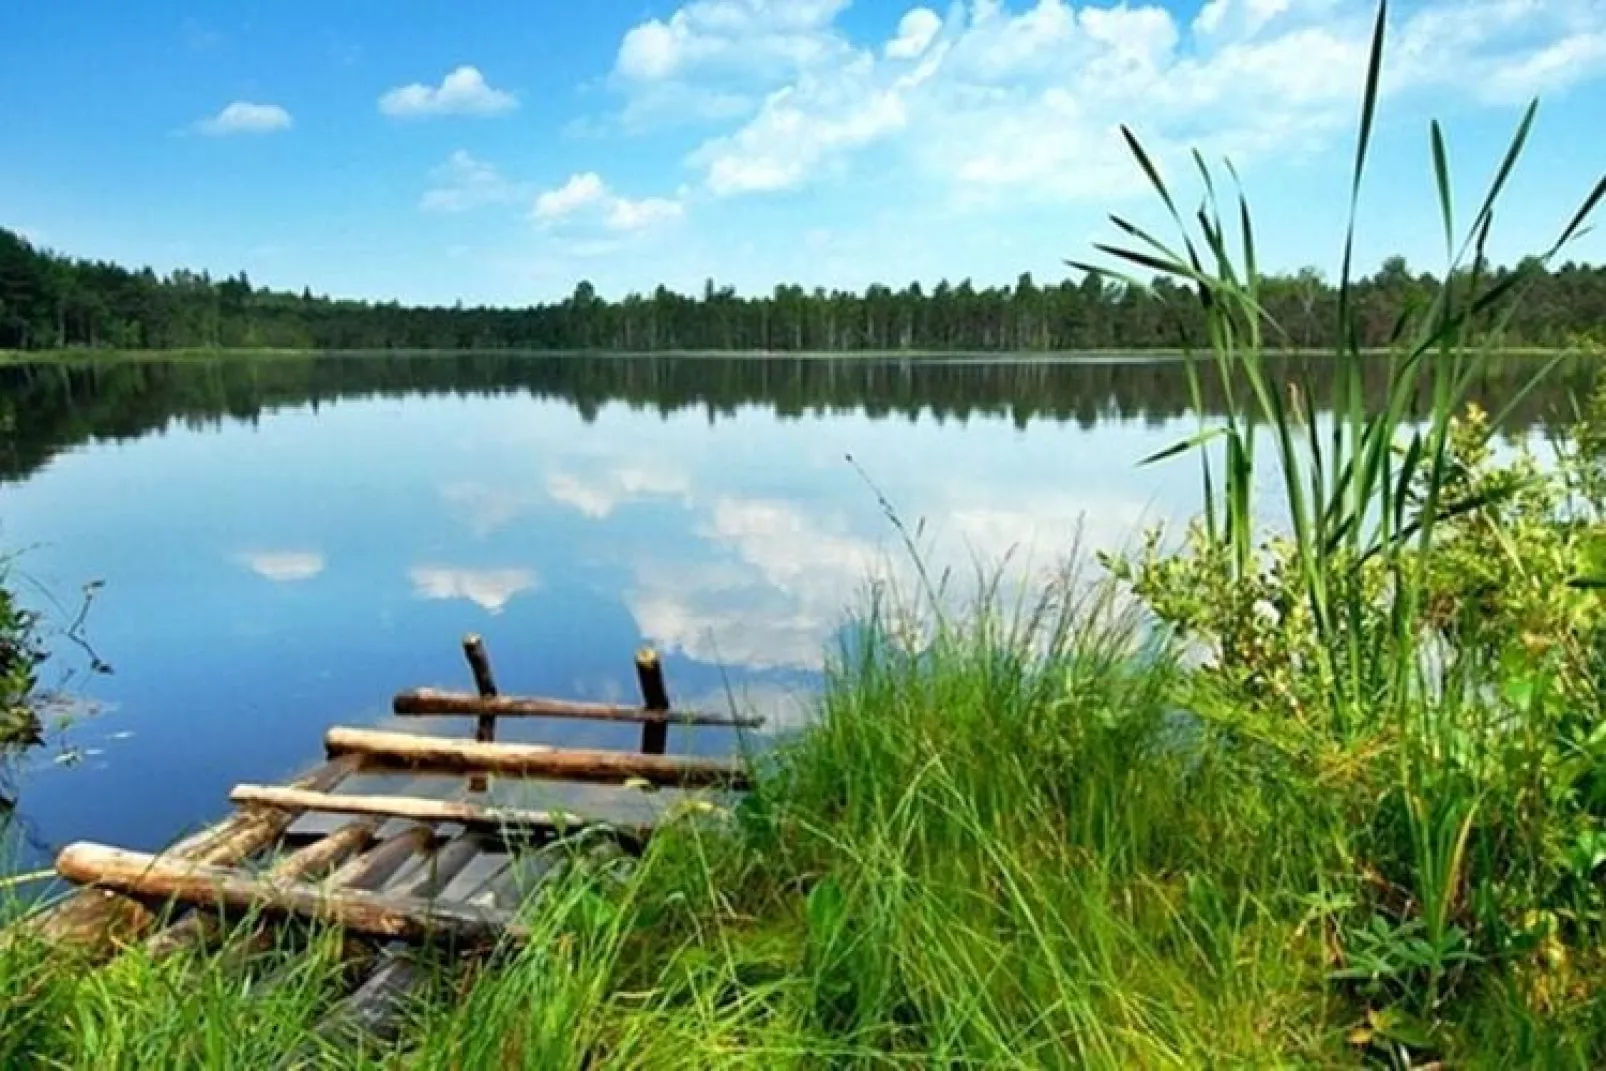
(98, 921)
(428, 701)
(532, 760)
(512, 820)
(407, 918)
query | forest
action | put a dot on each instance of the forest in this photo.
(49, 302)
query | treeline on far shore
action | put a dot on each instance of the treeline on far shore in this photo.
(50, 301)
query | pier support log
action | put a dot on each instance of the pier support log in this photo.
(512, 821)
(375, 867)
(479, 663)
(654, 697)
(407, 750)
(201, 927)
(429, 701)
(406, 918)
(98, 922)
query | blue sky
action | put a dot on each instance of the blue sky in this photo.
(500, 151)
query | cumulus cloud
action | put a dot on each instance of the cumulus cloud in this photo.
(579, 191)
(585, 195)
(489, 589)
(283, 566)
(243, 117)
(464, 182)
(599, 493)
(464, 91)
(1000, 101)
(744, 36)
(916, 30)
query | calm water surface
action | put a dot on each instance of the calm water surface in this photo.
(284, 544)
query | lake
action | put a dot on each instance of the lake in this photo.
(283, 543)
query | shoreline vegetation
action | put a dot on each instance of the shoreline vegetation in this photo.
(85, 355)
(1330, 796)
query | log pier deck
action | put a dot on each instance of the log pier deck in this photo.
(395, 869)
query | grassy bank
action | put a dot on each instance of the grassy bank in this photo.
(1008, 849)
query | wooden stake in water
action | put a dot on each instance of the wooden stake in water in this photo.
(654, 697)
(479, 661)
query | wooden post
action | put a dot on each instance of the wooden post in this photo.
(654, 697)
(479, 661)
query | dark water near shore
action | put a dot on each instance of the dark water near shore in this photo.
(284, 543)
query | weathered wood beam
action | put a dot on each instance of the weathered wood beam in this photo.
(408, 750)
(201, 927)
(375, 867)
(98, 922)
(479, 663)
(429, 701)
(407, 918)
(654, 697)
(508, 820)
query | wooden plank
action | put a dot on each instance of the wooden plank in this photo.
(654, 697)
(428, 701)
(99, 922)
(511, 820)
(374, 868)
(531, 760)
(406, 918)
(373, 1014)
(201, 927)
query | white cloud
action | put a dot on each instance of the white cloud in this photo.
(997, 102)
(462, 92)
(628, 215)
(283, 566)
(600, 493)
(578, 192)
(916, 30)
(785, 586)
(752, 36)
(799, 128)
(1551, 69)
(586, 195)
(463, 183)
(243, 117)
(489, 589)
(487, 508)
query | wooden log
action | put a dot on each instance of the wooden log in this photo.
(507, 820)
(407, 750)
(98, 922)
(479, 663)
(200, 927)
(654, 697)
(404, 918)
(374, 868)
(428, 701)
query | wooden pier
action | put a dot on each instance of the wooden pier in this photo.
(392, 870)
